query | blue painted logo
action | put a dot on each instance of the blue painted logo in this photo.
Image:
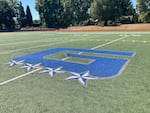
(99, 67)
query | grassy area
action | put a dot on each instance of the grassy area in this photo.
(38, 93)
(62, 55)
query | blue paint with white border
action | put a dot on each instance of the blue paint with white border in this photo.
(100, 67)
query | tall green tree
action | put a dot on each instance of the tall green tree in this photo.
(50, 12)
(22, 16)
(76, 11)
(143, 7)
(14, 5)
(29, 16)
(105, 10)
(126, 7)
(61, 13)
(128, 12)
(6, 16)
(18, 10)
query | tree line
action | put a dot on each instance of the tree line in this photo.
(64, 13)
(13, 16)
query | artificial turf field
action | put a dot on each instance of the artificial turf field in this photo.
(36, 93)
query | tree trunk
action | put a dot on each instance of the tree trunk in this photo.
(105, 23)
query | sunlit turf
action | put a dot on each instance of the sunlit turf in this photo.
(63, 56)
(38, 93)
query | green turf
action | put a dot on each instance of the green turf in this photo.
(36, 93)
(62, 55)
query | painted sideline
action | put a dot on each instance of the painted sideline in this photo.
(15, 78)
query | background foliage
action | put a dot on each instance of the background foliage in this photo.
(64, 13)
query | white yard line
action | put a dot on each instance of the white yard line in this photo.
(65, 58)
(28, 42)
(16, 50)
(102, 45)
(15, 78)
